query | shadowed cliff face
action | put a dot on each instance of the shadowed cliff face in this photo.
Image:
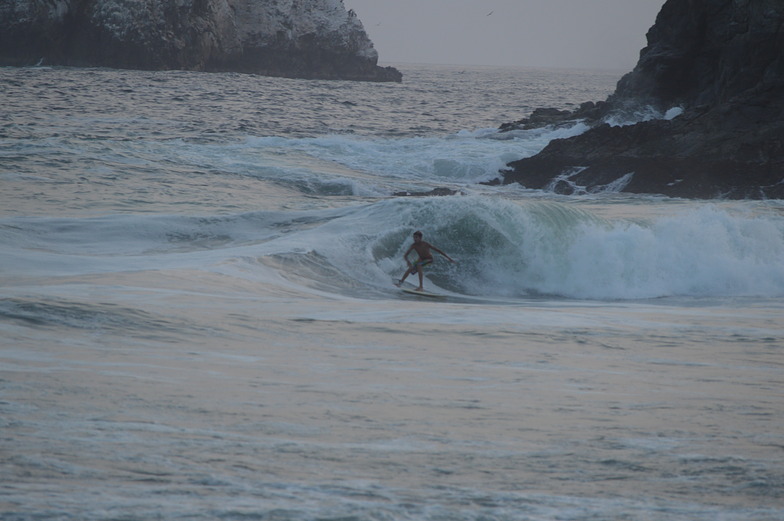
(705, 52)
(722, 62)
(294, 38)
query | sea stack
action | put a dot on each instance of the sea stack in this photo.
(715, 70)
(315, 39)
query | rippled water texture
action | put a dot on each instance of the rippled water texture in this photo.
(198, 321)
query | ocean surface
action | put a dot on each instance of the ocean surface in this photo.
(198, 321)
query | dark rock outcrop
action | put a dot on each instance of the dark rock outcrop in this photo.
(292, 38)
(435, 192)
(543, 117)
(722, 63)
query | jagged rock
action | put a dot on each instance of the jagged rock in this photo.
(440, 192)
(722, 62)
(543, 117)
(705, 52)
(293, 38)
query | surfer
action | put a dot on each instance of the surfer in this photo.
(425, 257)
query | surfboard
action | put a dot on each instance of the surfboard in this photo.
(421, 293)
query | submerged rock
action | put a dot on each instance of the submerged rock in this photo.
(720, 63)
(292, 38)
(435, 192)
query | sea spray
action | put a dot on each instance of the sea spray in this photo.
(702, 252)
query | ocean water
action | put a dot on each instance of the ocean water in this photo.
(198, 321)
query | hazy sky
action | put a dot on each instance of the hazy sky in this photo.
(604, 34)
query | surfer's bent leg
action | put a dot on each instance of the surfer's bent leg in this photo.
(420, 266)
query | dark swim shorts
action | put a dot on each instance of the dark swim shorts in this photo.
(422, 262)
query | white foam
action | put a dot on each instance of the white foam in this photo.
(703, 252)
(673, 113)
(624, 118)
(465, 157)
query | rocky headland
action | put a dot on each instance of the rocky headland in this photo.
(714, 71)
(315, 39)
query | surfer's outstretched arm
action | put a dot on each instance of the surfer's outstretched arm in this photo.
(442, 253)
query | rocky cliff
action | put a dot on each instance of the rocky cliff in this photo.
(293, 38)
(717, 66)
